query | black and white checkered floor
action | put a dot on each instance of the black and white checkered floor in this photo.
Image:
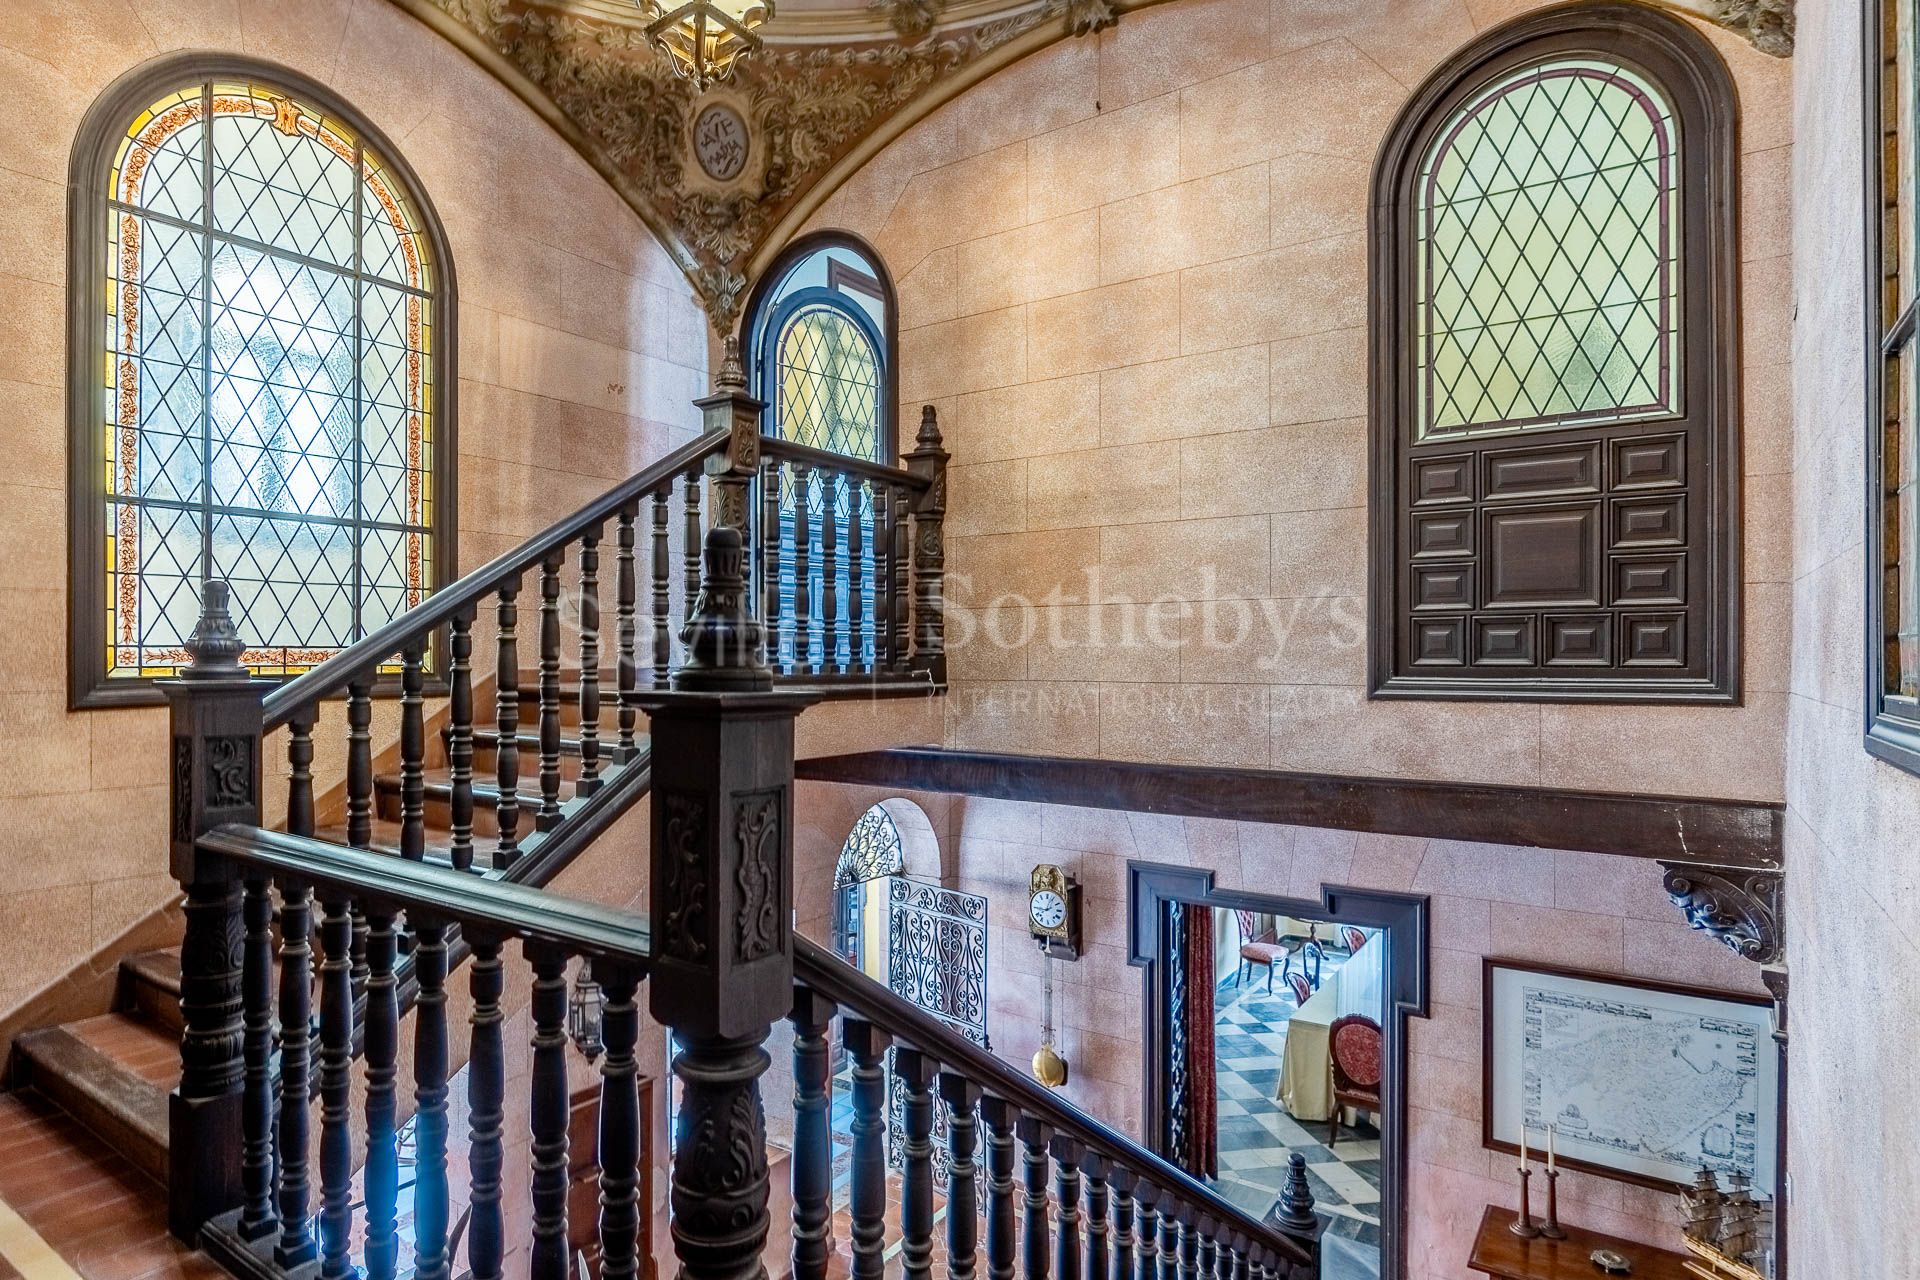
(1257, 1135)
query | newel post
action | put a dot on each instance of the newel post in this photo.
(215, 770)
(929, 461)
(731, 408)
(721, 884)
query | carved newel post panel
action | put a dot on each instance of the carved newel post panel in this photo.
(722, 902)
(929, 460)
(731, 408)
(215, 745)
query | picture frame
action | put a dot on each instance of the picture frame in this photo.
(1643, 1081)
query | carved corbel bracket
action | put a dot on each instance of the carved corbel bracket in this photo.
(1742, 907)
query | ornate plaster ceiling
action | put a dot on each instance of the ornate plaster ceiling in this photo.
(718, 176)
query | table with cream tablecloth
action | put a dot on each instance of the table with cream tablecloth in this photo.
(1306, 1064)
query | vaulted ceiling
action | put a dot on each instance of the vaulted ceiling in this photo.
(723, 176)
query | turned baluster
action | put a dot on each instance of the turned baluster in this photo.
(1097, 1171)
(460, 738)
(1189, 1247)
(999, 1118)
(549, 815)
(300, 775)
(770, 557)
(506, 748)
(359, 764)
(1034, 1136)
(256, 1107)
(1206, 1255)
(413, 755)
(619, 1125)
(962, 1097)
(625, 593)
(296, 1246)
(1147, 1238)
(916, 1071)
(836, 490)
(856, 577)
(336, 1089)
(693, 538)
(1122, 1182)
(901, 563)
(430, 1195)
(1237, 1257)
(382, 1169)
(662, 560)
(486, 1095)
(1170, 1228)
(812, 1018)
(589, 781)
(882, 548)
(550, 1258)
(1066, 1185)
(868, 1196)
(802, 569)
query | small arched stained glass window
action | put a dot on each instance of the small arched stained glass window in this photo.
(268, 403)
(1548, 254)
(828, 381)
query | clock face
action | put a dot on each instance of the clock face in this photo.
(1049, 909)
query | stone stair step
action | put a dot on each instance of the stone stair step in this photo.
(120, 1102)
(150, 987)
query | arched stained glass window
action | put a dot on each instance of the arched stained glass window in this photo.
(827, 381)
(270, 323)
(1555, 340)
(1549, 247)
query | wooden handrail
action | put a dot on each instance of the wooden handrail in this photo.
(473, 902)
(343, 668)
(827, 460)
(821, 970)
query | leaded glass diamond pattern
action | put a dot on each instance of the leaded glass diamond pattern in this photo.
(1548, 254)
(268, 406)
(829, 390)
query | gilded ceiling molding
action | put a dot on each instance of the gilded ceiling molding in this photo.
(725, 179)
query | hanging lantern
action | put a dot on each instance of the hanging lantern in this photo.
(587, 1014)
(704, 38)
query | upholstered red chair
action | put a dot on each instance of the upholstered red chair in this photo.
(1356, 1046)
(1302, 989)
(1257, 947)
(1354, 938)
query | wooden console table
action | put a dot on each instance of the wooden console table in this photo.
(1499, 1253)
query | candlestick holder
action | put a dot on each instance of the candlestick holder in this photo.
(1523, 1221)
(1551, 1227)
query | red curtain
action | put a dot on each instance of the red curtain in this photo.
(1203, 1120)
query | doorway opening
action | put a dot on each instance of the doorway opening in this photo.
(1276, 1027)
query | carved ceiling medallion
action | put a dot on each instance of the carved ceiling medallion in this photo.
(720, 142)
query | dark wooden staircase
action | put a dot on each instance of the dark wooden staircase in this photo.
(111, 1071)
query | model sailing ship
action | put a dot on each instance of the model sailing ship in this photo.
(1727, 1232)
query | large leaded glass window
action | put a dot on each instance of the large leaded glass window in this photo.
(1548, 254)
(267, 403)
(1893, 462)
(1555, 330)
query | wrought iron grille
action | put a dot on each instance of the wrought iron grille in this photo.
(937, 960)
(268, 403)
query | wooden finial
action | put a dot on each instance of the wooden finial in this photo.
(215, 643)
(723, 638)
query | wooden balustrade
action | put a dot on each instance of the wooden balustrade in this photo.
(417, 862)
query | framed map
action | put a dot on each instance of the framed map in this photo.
(1642, 1081)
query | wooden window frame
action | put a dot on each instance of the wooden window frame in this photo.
(1686, 68)
(758, 327)
(1892, 730)
(100, 133)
